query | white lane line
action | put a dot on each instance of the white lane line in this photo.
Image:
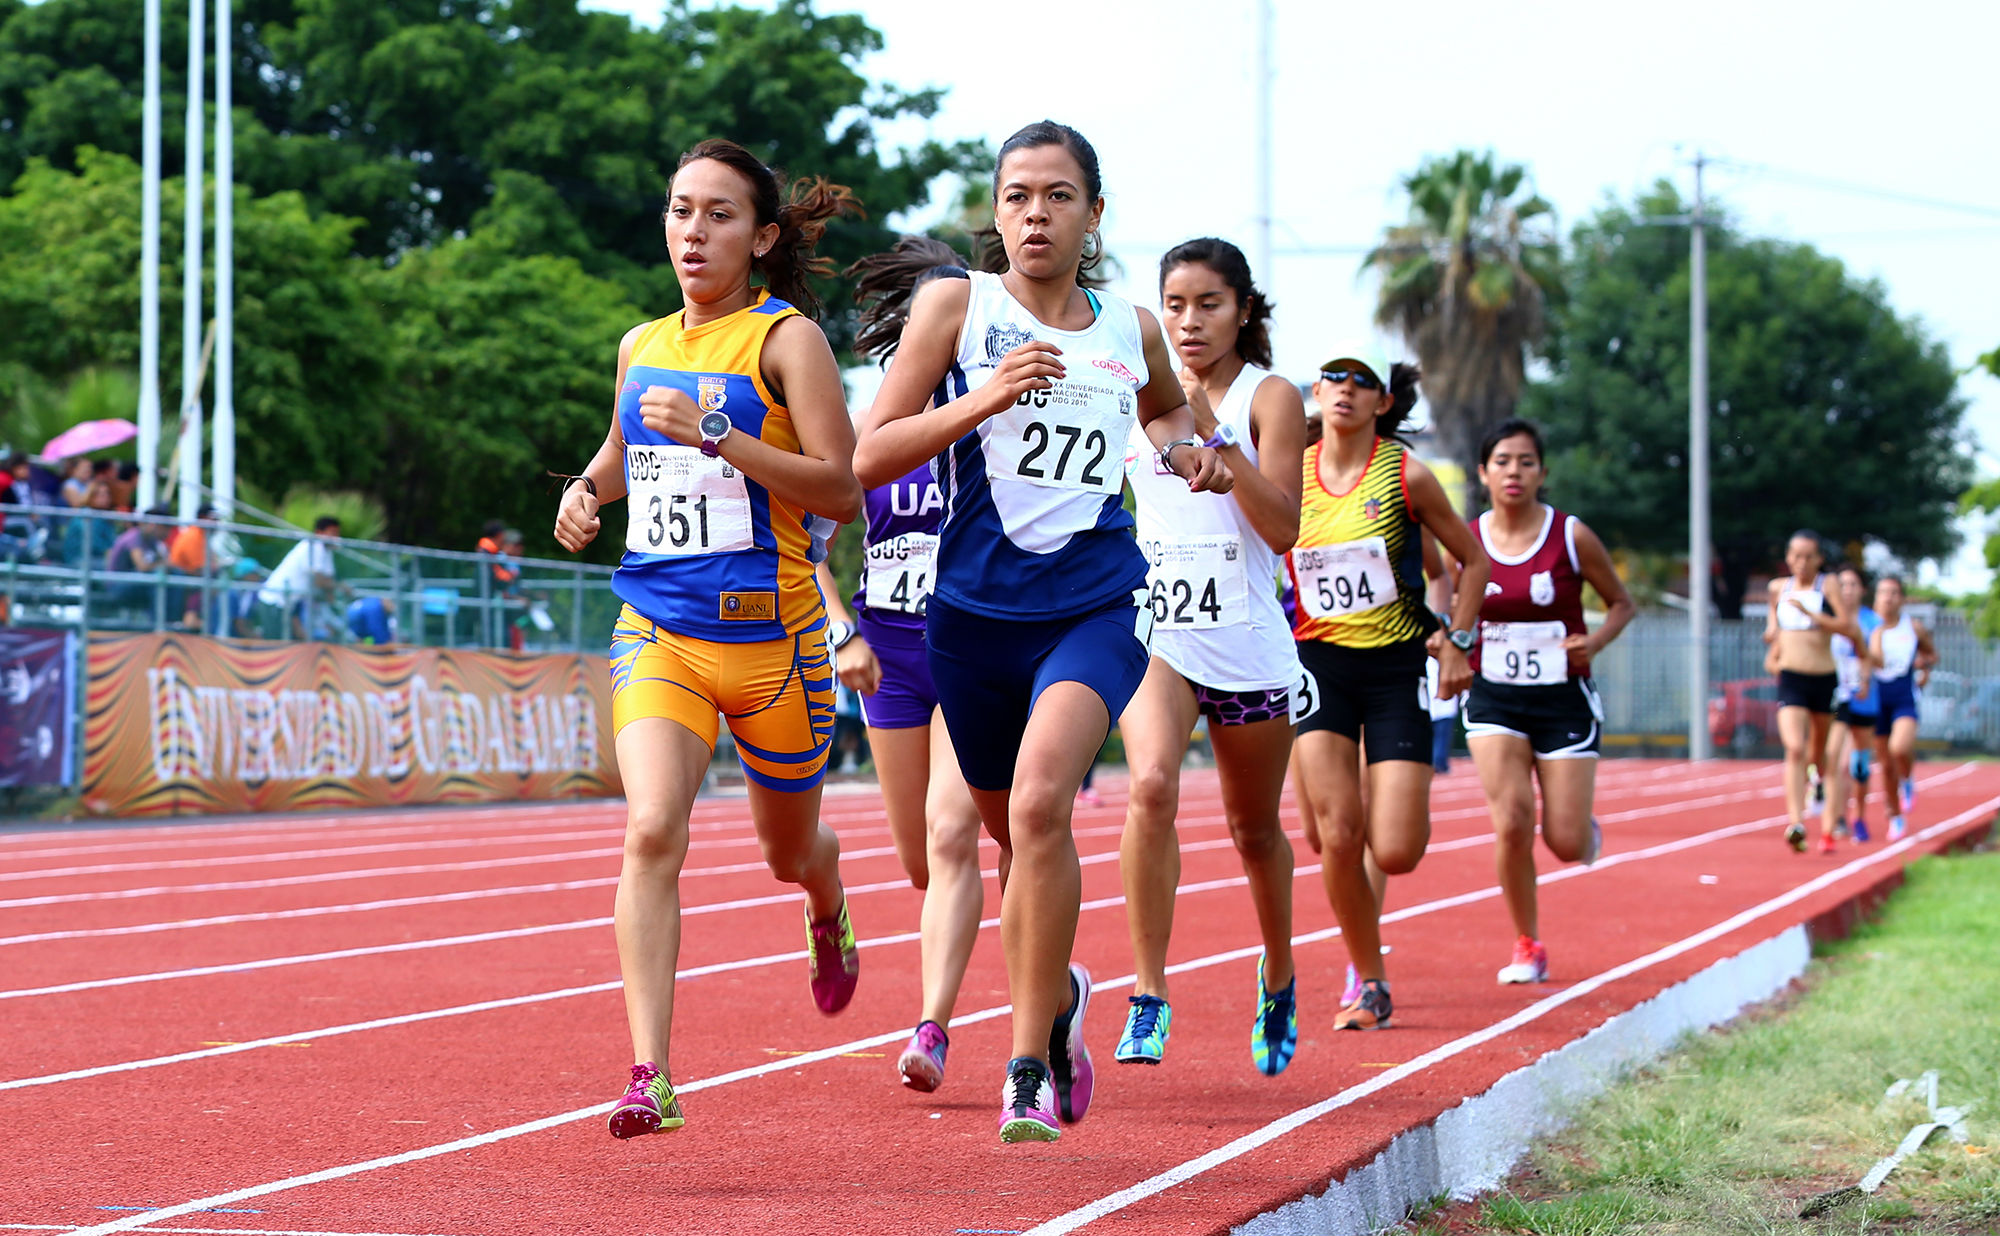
(1101, 903)
(149, 1218)
(736, 904)
(513, 933)
(279, 856)
(1112, 1203)
(258, 916)
(199, 1231)
(710, 816)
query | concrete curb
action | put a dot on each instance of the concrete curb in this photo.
(1472, 1147)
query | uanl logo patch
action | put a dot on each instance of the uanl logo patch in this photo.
(1004, 337)
(711, 393)
(748, 607)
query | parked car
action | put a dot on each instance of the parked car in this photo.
(1743, 715)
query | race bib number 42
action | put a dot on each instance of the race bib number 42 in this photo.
(1197, 582)
(1339, 580)
(681, 503)
(900, 571)
(1071, 436)
(1523, 654)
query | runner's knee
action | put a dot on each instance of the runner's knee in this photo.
(655, 836)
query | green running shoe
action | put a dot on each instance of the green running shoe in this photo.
(1146, 1030)
(1274, 1035)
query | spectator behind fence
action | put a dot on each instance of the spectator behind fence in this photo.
(372, 620)
(124, 482)
(140, 548)
(19, 533)
(504, 578)
(305, 574)
(86, 489)
(187, 554)
(237, 615)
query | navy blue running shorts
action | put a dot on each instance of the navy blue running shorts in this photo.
(989, 672)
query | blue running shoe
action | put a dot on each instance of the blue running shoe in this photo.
(1859, 831)
(1146, 1030)
(1274, 1036)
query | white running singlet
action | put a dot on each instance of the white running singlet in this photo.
(1216, 616)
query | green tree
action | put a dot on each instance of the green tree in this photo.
(408, 116)
(309, 344)
(1465, 281)
(1826, 409)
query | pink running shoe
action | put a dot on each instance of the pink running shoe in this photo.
(649, 1105)
(833, 962)
(1069, 1059)
(922, 1062)
(1028, 1103)
(1530, 964)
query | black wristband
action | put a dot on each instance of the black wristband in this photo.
(587, 484)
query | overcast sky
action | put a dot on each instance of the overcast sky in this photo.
(1594, 99)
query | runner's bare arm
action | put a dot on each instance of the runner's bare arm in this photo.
(1269, 493)
(1166, 417)
(1433, 510)
(1602, 574)
(577, 519)
(897, 433)
(1776, 590)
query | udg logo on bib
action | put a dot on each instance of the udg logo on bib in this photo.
(1542, 588)
(1004, 337)
(711, 393)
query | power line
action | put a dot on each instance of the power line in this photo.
(1843, 186)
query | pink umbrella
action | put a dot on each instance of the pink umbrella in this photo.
(89, 436)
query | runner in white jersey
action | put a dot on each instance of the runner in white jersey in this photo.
(1904, 656)
(1222, 646)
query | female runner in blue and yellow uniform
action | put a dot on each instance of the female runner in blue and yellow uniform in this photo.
(1362, 627)
(730, 443)
(1038, 622)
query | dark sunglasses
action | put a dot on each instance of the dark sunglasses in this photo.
(1362, 378)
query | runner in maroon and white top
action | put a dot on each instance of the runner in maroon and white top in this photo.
(1532, 712)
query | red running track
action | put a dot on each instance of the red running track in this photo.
(410, 1022)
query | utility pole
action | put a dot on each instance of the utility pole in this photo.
(1261, 241)
(1700, 746)
(222, 466)
(190, 445)
(149, 270)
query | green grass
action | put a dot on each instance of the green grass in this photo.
(1731, 1133)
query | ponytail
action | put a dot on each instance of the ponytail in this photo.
(1403, 379)
(790, 265)
(886, 283)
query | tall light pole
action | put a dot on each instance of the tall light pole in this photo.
(149, 270)
(222, 469)
(1699, 744)
(190, 443)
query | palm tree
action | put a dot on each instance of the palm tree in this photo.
(1464, 282)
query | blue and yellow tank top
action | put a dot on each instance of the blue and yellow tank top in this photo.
(710, 553)
(1358, 565)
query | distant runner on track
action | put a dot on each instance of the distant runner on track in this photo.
(1850, 748)
(1222, 648)
(1799, 627)
(882, 656)
(729, 442)
(1533, 716)
(1904, 656)
(1039, 618)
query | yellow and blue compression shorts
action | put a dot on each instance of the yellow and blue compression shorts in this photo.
(776, 694)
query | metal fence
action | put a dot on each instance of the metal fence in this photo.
(1643, 677)
(54, 572)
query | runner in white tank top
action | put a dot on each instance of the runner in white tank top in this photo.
(1222, 647)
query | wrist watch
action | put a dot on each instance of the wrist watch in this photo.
(714, 428)
(838, 633)
(1461, 640)
(1224, 436)
(1167, 452)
